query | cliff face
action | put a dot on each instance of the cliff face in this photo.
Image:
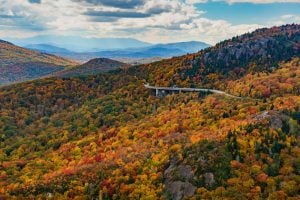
(252, 52)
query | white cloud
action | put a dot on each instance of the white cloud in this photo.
(260, 1)
(244, 1)
(196, 1)
(286, 19)
(158, 21)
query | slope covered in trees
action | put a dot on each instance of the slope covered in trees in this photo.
(19, 64)
(106, 136)
(94, 66)
(260, 51)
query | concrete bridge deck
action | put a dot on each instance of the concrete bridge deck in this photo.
(158, 90)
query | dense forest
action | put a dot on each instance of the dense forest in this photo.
(105, 136)
(19, 64)
(94, 66)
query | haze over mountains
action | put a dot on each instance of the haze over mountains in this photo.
(105, 136)
(127, 99)
(20, 64)
(80, 44)
(157, 50)
(84, 49)
(47, 48)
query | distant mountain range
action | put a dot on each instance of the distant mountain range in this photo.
(79, 44)
(19, 64)
(106, 136)
(40, 60)
(129, 54)
(47, 48)
(158, 50)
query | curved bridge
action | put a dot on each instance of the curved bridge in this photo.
(161, 91)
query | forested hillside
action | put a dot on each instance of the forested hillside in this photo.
(94, 66)
(18, 64)
(260, 51)
(105, 136)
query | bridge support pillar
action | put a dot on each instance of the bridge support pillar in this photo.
(156, 92)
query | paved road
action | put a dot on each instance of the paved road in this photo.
(191, 90)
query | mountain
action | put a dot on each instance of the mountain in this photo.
(159, 50)
(187, 47)
(134, 55)
(231, 59)
(80, 44)
(93, 66)
(155, 51)
(46, 48)
(106, 136)
(20, 64)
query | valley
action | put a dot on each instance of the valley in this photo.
(42, 60)
(93, 131)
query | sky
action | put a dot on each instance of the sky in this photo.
(155, 21)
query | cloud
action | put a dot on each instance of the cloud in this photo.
(286, 19)
(9, 16)
(111, 16)
(118, 14)
(9, 13)
(34, 1)
(152, 14)
(152, 8)
(261, 1)
(196, 1)
(125, 4)
(15, 17)
(158, 7)
(149, 20)
(243, 1)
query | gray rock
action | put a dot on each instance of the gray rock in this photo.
(275, 119)
(209, 179)
(185, 172)
(177, 181)
(179, 190)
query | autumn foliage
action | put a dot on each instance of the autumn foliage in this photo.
(105, 136)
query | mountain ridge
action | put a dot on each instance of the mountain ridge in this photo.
(105, 136)
(18, 64)
(46, 48)
(158, 50)
(80, 44)
(210, 66)
(94, 66)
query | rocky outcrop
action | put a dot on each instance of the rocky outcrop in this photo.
(209, 179)
(274, 118)
(179, 190)
(178, 181)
